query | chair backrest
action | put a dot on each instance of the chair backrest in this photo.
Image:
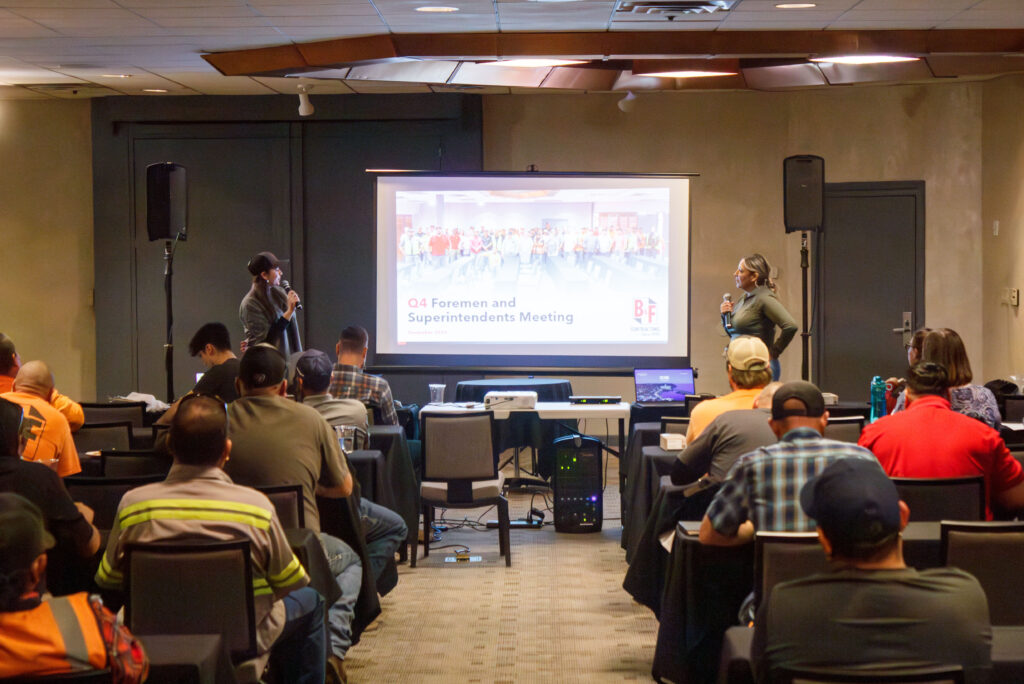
(104, 436)
(459, 447)
(1014, 409)
(946, 498)
(988, 550)
(134, 411)
(944, 674)
(98, 676)
(196, 587)
(844, 428)
(675, 424)
(287, 500)
(783, 556)
(103, 494)
(134, 463)
(694, 399)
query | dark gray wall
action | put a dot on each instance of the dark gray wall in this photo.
(258, 178)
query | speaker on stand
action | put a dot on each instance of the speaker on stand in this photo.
(578, 487)
(803, 208)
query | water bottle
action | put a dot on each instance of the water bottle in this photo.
(877, 398)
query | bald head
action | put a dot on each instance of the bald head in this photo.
(34, 378)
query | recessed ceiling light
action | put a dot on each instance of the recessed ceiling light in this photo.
(437, 8)
(689, 74)
(154, 90)
(865, 59)
(534, 62)
(795, 5)
(117, 75)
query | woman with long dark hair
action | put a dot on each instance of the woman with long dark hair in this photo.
(267, 311)
(759, 311)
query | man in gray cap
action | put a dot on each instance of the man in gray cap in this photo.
(870, 609)
(758, 492)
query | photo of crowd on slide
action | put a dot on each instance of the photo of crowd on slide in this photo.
(514, 239)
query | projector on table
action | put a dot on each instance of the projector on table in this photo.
(513, 399)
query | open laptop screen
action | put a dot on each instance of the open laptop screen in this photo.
(663, 384)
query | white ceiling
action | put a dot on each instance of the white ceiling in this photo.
(68, 48)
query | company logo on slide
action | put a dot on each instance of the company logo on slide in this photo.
(644, 312)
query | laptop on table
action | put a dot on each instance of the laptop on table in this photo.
(663, 386)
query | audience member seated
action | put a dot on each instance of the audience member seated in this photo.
(10, 363)
(870, 609)
(312, 378)
(384, 529)
(199, 500)
(278, 441)
(58, 635)
(726, 438)
(48, 432)
(929, 439)
(944, 347)
(760, 490)
(350, 382)
(748, 369)
(212, 344)
(69, 522)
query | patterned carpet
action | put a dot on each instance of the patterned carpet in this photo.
(559, 614)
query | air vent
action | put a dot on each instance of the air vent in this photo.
(671, 8)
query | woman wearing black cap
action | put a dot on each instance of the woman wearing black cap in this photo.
(267, 311)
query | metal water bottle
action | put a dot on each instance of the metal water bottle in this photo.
(877, 398)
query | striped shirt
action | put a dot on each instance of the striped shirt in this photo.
(202, 502)
(764, 485)
(350, 382)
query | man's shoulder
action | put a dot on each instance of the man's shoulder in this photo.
(197, 489)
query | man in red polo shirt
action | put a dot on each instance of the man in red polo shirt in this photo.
(929, 439)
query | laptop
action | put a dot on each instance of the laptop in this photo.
(663, 386)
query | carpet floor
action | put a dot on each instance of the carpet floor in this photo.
(559, 614)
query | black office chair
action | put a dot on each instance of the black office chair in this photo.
(103, 494)
(844, 428)
(675, 424)
(115, 412)
(288, 503)
(460, 470)
(1014, 410)
(104, 436)
(987, 550)
(134, 463)
(94, 676)
(783, 556)
(211, 585)
(945, 674)
(946, 498)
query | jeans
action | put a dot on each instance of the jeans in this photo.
(776, 369)
(385, 531)
(348, 572)
(301, 649)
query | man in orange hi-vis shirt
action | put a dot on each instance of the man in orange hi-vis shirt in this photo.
(10, 364)
(47, 431)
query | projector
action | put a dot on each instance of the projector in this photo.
(510, 400)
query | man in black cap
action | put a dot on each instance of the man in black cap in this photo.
(384, 529)
(758, 493)
(46, 637)
(870, 608)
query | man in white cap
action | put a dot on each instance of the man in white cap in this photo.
(747, 365)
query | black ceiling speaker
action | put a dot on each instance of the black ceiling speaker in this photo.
(803, 182)
(166, 201)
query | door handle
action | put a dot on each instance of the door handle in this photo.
(907, 329)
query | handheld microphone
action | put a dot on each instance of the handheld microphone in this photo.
(727, 317)
(288, 288)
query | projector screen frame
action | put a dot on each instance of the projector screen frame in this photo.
(521, 363)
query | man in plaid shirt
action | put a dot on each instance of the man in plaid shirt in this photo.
(348, 381)
(762, 489)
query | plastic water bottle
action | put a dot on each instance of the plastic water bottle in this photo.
(877, 398)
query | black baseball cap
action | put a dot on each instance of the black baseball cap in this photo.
(262, 365)
(264, 261)
(23, 536)
(854, 502)
(807, 393)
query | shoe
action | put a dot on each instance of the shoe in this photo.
(373, 626)
(335, 670)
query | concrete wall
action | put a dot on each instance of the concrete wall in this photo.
(1003, 201)
(737, 141)
(46, 228)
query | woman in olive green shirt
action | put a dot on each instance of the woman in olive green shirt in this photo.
(759, 310)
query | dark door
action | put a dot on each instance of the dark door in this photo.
(869, 278)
